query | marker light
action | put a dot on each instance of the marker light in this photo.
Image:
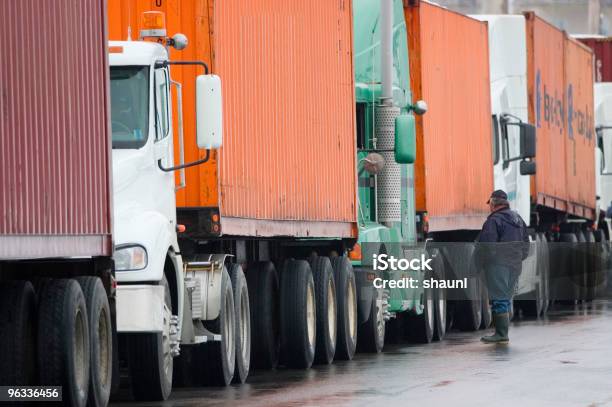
(355, 253)
(153, 24)
(115, 50)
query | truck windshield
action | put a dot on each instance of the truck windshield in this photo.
(129, 105)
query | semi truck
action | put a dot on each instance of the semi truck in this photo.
(540, 85)
(602, 47)
(251, 234)
(563, 199)
(453, 174)
(385, 112)
(57, 286)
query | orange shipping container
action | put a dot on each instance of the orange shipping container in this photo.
(560, 89)
(287, 166)
(449, 69)
(580, 132)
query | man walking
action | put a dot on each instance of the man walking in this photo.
(503, 245)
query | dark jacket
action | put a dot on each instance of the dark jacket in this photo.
(503, 240)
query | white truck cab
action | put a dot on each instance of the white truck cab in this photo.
(603, 154)
(161, 302)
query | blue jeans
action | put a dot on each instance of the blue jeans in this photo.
(501, 282)
(500, 306)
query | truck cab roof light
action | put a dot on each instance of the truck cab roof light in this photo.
(153, 25)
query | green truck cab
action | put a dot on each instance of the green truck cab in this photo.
(386, 145)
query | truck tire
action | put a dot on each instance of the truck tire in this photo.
(262, 281)
(487, 314)
(468, 312)
(17, 334)
(603, 253)
(327, 321)
(371, 333)
(421, 327)
(440, 300)
(545, 257)
(219, 358)
(533, 305)
(566, 291)
(100, 340)
(591, 271)
(581, 265)
(298, 315)
(243, 323)
(63, 349)
(346, 299)
(150, 361)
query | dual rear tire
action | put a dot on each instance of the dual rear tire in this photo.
(298, 315)
(346, 299)
(219, 363)
(325, 296)
(74, 348)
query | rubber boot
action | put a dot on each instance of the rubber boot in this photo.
(502, 322)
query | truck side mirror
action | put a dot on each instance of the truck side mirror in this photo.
(209, 112)
(527, 140)
(405, 139)
(527, 168)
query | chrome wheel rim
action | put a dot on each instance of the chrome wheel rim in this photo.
(167, 355)
(352, 309)
(244, 327)
(79, 350)
(430, 310)
(228, 332)
(310, 316)
(380, 321)
(103, 361)
(331, 312)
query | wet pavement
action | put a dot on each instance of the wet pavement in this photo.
(564, 359)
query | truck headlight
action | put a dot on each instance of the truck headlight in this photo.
(132, 257)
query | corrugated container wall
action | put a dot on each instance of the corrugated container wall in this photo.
(580, 130)
(54, 138)
(560, 89)
(288, 158)
(602, 48)
(449, 66)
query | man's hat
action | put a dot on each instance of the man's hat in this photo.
(499, 194)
